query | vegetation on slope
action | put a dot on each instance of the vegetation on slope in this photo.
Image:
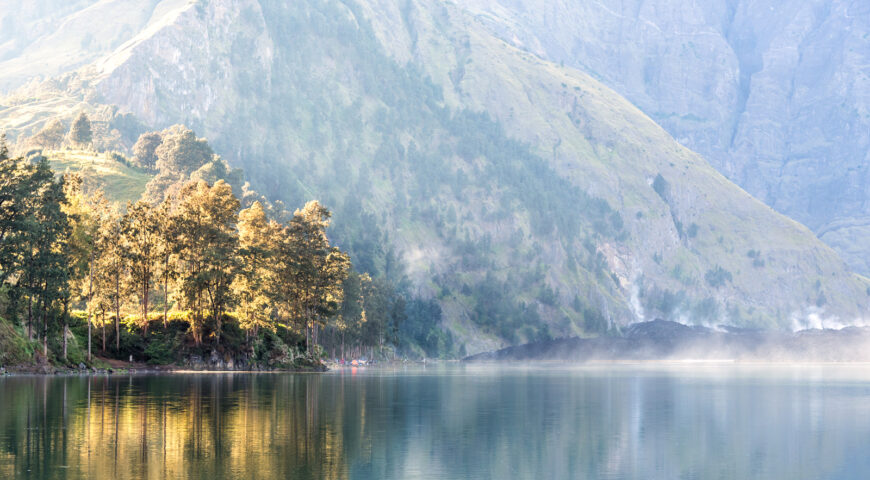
(525, 199)
(230, 283)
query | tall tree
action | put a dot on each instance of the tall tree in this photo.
(83, 212)
(166, 258)
(43, 239)
(311, 271)
(205, 233)
(110, 277)
(50, 136)
(141, 232)
(145, 149)
(251, 285)
(80, 132)
(19, 182)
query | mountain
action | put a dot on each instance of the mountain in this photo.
(527, 198)
(776, 95)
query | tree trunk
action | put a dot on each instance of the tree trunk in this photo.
(145, 307)
(197, 317)
(65, 327)
(219, 325)
(103, 323)
(308, 332)
(165, 289)
(44, 331)
(30, 317)
(118, 312)
(90, 296)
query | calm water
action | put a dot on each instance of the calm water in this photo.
(613, 422)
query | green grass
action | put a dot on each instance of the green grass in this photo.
(121, 183)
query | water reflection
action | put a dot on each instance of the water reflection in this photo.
(614, 422)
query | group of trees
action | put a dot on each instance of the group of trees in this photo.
(34, 242)
(54, 134)
(196, 256)
(176, 156)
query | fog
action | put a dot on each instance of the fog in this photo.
(661, 340)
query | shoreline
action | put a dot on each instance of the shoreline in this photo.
(49, 370)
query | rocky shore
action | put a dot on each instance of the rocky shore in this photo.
(213, 363)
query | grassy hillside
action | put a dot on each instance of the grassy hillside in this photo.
(120, 182)
(527, 198)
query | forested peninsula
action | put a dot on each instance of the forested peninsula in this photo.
(200, 272)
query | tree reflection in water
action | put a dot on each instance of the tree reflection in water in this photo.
(614, 422)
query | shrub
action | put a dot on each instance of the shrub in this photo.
(717, 277)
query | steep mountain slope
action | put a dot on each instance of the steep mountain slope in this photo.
(46, 37)
(775, 94)
(528, 198)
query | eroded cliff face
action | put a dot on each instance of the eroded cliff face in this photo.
(776, 95)
(497, 175)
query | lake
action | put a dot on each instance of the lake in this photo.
(655, 421)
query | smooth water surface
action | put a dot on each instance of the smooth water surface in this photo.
(608, 422)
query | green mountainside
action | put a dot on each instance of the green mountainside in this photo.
(528, 199)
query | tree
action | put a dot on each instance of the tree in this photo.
(352, 314)
(50, 136)
(43, 240)
(140, 231)
(145, 150)
(310, 271)
(206, 242)
(83, 212)
(179, 154)
(110, 278)
(19, 182)
(166, 270)
(80, 132)
(251, 285)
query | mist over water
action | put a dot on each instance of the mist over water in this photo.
(614, 421)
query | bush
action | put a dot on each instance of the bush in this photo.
(15, 349)
(164, 347)
(717, 277)
(661, 187)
